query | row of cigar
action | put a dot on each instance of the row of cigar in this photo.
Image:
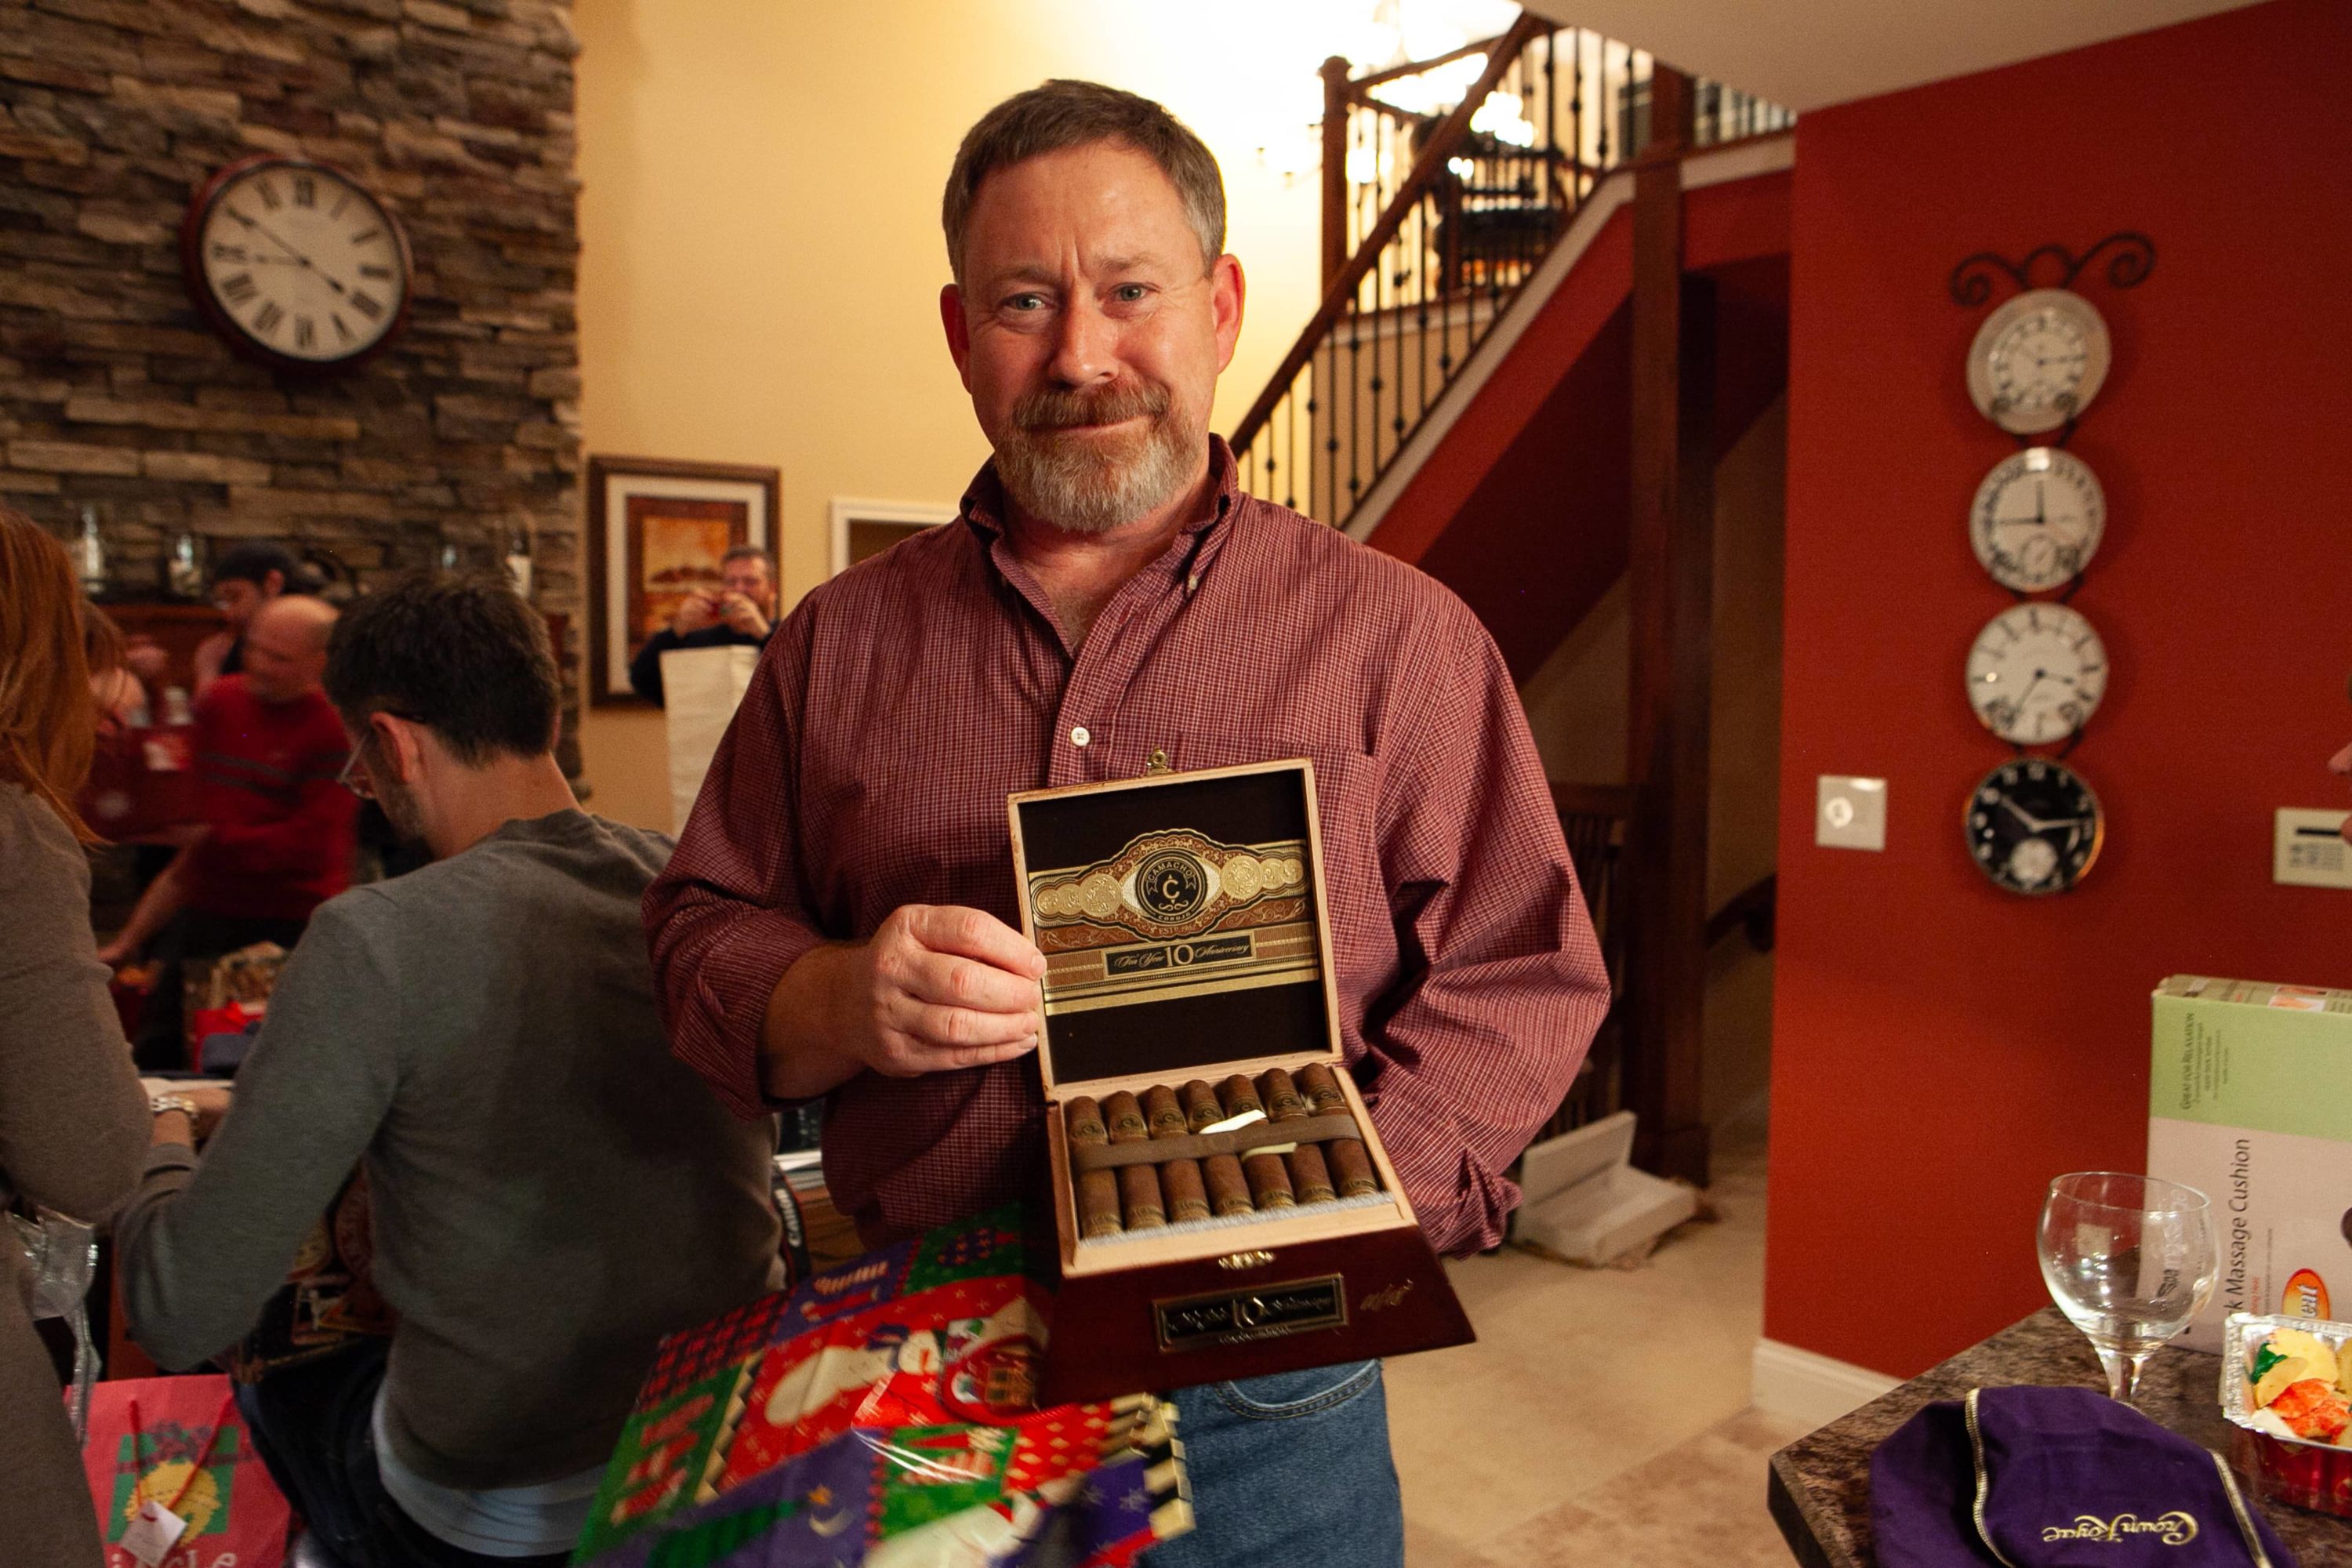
(1147, 1196)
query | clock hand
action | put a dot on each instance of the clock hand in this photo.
(2039, 516)
(2033, 824)
(301, 260)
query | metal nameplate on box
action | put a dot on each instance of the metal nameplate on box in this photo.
(1263, 1312)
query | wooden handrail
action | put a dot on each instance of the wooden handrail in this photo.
(1425, 170)
(1751, 908)
(1360, 85)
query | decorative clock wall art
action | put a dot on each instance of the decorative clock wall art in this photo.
(2038, 670)
(298, 264)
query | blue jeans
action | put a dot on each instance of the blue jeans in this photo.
(310, 1425)
(1291, 1468)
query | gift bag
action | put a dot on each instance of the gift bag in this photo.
(175, 1479)
(700, 687)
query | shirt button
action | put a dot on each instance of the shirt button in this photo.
(1079, 736)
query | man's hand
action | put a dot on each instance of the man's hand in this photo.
(936, 988)
(743, 615)
(696, 612)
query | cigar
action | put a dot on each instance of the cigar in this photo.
(1348, 1162)
(1139, 1204)
(1269, 1183)
(1097, 1190)
(1310, 1178)
(1180, 1179)
(1228, 1189)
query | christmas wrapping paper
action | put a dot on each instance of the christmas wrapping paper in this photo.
(883, 1415)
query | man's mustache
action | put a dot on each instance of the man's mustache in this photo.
(1058, 409)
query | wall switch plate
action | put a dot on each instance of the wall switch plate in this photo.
(1850, 813)
(2307, 848)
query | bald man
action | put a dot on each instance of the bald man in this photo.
(278, 835)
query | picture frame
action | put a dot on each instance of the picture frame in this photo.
(863, 528)
(657, 529)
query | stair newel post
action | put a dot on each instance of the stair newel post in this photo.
(1672, 570)
(1335, 167)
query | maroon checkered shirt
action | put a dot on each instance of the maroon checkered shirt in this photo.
(901, 701)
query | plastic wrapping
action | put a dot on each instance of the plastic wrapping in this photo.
(62, 1252)
(2309, 1471)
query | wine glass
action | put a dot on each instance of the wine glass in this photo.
(2130, 1260)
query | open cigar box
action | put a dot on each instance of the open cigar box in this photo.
(1223, 1206)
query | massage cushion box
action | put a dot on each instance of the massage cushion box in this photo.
(1182, 920)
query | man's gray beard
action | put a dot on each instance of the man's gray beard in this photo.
(1072, 484)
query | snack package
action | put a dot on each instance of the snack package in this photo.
(2284, 1389)
(884, 1413)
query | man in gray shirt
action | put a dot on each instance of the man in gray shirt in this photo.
(551, 1190)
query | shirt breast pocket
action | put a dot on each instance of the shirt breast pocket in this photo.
(1348, 803)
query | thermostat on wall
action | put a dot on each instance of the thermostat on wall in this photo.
(2307, 848)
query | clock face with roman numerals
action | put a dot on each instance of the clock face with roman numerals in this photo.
(296, 263)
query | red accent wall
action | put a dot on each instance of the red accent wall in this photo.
(1941, 1048)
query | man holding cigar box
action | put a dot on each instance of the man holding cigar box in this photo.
(840, 918)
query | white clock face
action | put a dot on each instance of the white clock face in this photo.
(2036, 674)
(2038, 360)
(2037, 519)
(303, 263)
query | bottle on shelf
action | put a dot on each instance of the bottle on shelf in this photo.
(89, 553)
(183, 566)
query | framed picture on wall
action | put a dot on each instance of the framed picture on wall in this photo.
(863, 528)
(657, 530)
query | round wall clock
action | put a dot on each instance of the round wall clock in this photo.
(2038, 360)
(296, 263)
(2034, 826)
(2037, 519)
(2036, 674)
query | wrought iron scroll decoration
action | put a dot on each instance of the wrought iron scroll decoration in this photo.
(2131, 257)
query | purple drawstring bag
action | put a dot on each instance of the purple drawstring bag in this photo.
(2057, 1478)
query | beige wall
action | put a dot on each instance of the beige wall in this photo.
(761, 247)
(1577, 709)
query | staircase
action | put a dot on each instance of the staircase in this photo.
(1556, 278)
(1435, 214)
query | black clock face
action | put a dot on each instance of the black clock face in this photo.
(2034, 826)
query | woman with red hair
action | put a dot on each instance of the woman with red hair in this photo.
(74, 1124)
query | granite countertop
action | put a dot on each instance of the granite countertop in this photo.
(1820, 1484)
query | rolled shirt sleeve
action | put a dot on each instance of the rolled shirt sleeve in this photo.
(1503, 985)
(727, 918)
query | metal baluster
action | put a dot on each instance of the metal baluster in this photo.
(1550, 119)
(1290, 443)
(1356, 379)
(1608, 107)
(1576, 120)
(1379, 278)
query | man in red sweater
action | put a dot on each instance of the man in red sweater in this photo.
(277, 838)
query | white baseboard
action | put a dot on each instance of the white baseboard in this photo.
(1814, 1389)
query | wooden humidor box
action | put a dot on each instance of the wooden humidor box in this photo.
(1181, 920)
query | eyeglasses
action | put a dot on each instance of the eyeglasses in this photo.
(354, 776)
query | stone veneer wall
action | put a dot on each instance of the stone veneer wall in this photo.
(114, 390)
